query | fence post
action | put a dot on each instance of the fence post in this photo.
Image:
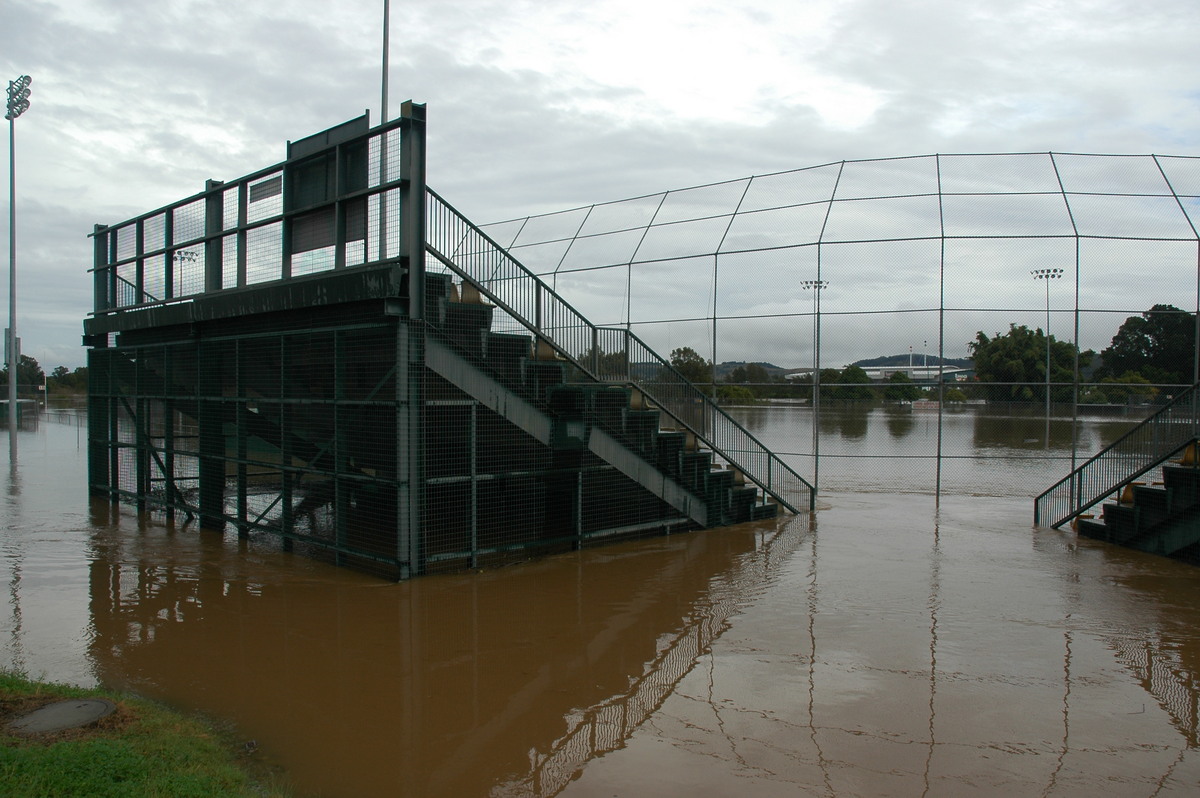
(101, 298)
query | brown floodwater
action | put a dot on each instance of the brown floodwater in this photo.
(884, 645)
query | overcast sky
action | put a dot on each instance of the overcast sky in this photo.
(539, 106)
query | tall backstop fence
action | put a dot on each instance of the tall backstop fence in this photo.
(1070, 278)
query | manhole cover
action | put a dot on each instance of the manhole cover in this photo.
(63, 715)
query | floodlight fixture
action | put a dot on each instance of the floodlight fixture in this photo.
(18, 97)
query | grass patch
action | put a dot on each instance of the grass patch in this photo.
(141, 749)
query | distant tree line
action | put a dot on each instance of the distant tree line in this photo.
(30, 378)
(63, 379)
(1151, 352)
(750, 383)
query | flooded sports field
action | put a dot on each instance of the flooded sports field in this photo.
(886, 645)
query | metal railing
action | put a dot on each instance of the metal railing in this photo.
(1138, 451)
(243, 232)
(603, 354)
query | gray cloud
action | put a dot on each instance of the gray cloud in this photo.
(136, 103)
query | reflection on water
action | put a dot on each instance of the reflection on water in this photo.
(14, 554)
(940, 658)
(402, 685)
(900, 421)
(849, 423)
(884, 646)
(604, 727)
(1021, 432)
(969, 449)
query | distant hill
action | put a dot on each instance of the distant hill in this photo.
(724, 368)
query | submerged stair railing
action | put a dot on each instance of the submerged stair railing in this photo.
(604, 354)
(1145, 446)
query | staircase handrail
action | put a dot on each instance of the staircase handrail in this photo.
(604, 354)
(1139, 450)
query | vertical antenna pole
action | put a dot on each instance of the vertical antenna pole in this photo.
(383, 102)
(383, 138)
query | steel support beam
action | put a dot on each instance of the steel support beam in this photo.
(210, 424)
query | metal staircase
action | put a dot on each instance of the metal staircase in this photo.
(1140, 451)
(583, 438)
(564, 430)
(1163, 518)
(599, 356)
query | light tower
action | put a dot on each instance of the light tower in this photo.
(1046, 275)
(816, 286)
(18, 103)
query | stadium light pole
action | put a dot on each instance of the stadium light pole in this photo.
(1046, 275)
(18, 103)
(816, 286)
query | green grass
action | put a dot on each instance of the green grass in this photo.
(143, 749)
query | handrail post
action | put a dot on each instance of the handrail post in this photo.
(412, 203)
(596, 351)
(214, 214)
(628, 367)
(100, 269)
(537, 307)
(139, 275)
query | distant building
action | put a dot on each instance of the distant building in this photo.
(918, 374)
(926, 374)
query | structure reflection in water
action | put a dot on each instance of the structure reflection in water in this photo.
(885, 663)
(359, 688)
(605, 726)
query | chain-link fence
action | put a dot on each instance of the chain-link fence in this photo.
(772, 286)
